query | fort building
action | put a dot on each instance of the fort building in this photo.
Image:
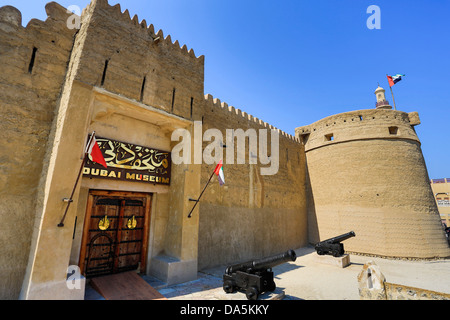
(441, 192)
(135, 88)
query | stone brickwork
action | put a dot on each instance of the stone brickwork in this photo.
(252, 215)
(34, 63)
(128, 57)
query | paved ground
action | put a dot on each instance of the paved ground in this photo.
(306, 279)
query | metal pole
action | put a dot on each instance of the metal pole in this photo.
(196, 201)
(70, 200)
(393, 99)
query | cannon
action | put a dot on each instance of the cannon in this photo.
(254, 277)
(333, 246)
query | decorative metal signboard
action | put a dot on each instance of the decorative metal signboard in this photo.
(129, 162)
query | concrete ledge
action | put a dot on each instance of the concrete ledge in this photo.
(70, 289)
(340, 262)
(172, 270)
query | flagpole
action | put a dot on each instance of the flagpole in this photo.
(70, 200)
(393, 99)
(196, 201)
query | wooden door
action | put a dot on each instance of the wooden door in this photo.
(115, 236)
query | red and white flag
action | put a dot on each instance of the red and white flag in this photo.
(219, 173)
(94, 151)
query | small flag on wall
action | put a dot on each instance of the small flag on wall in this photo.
(219, 173)
(394, 79)
(94, 151)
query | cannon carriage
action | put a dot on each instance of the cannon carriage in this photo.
(255, 277)
(333, 246)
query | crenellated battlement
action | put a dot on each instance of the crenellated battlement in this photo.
(160, 74)
(36, 56)
(143, 27)
(217, 104)
(55, 14)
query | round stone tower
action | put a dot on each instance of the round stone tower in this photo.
(367, 174)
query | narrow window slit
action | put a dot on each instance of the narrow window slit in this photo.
(143, 88)
(104, 72)
(33, 58)
(173, 98)
(192, 106)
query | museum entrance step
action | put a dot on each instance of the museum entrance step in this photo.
(125, 286)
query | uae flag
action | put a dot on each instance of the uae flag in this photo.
(219, 173)
(94, 151)
(394, 79)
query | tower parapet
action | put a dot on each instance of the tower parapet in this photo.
(359, 125)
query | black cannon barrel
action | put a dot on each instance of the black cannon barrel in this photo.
(340, 238)
(264, 263)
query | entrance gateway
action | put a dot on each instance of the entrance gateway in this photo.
(115, 234)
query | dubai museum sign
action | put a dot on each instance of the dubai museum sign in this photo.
(129, 162)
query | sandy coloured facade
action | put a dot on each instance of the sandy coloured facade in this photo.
(134, 87)
(441, 192)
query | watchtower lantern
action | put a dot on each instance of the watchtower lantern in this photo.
(382, 103)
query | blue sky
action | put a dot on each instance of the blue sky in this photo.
(293, 62)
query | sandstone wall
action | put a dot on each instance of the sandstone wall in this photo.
(122, 56)
(33, 63)
(367, 174)
(252, 215)
(126, 57)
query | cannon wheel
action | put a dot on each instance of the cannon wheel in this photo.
(271, 286)
(252, 293)
(228, 286)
